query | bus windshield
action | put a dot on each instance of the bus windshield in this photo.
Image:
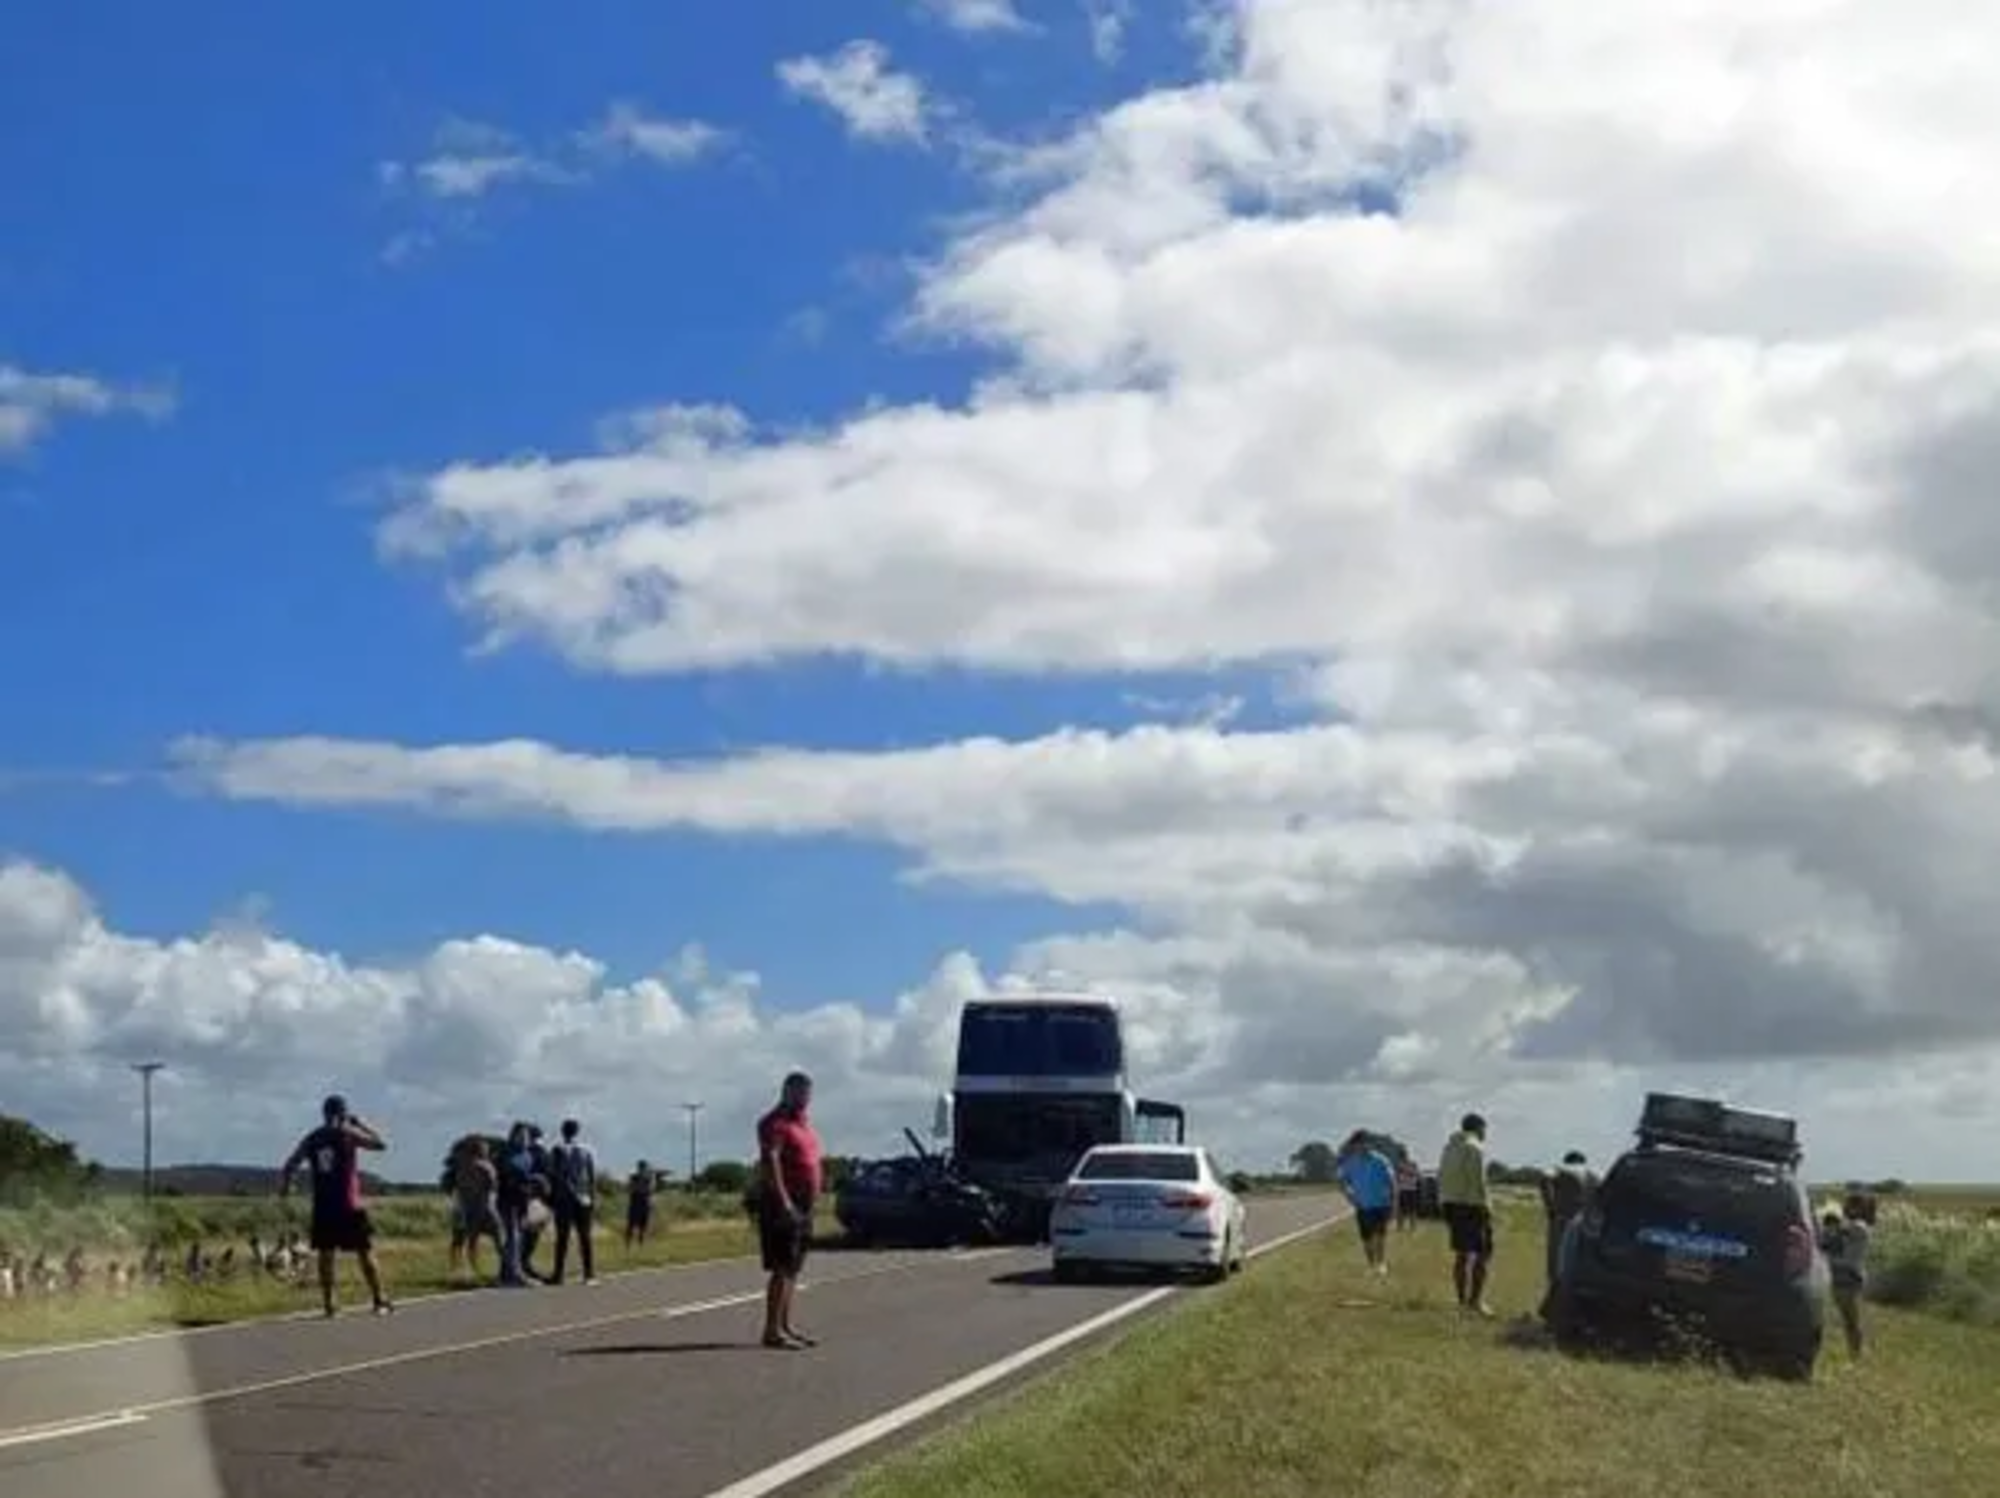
(1040, 1040)
(1013, 1129)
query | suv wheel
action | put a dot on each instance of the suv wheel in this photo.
(1794, 1364)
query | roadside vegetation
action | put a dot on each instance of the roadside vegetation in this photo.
(413, 1235)
(1309, 1377)
(1939, 1255)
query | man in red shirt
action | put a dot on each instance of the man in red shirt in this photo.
(788, 1170)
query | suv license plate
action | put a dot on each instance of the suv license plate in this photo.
(1688, 1269)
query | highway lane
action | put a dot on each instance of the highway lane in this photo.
(650, 1384)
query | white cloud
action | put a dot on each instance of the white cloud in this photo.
(670, 142)
(976, 16)
(1606, 878)
(876, 102)
(482, 1029)
(469, 162)
(1108, 20)
(31, 403)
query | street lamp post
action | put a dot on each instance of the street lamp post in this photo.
(693, 1111)
(145, 1069)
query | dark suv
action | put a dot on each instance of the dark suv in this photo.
(1703, 1233)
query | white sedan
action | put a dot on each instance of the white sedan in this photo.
(1148, 1206)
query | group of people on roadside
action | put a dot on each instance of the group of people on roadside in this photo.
(513, 1198)
(1380, 1192)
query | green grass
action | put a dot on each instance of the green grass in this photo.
(1947, 1263)
(1308, 1377)
(413, 1235)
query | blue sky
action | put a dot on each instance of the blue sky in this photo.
(1267, 372)
(202, 207)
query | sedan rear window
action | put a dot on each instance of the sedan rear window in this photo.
(1137, 1165)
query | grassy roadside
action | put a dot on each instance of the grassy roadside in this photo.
(1308, 1377)
(413, 1267)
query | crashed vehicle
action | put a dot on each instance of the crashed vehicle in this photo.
(1702, 1235)
(916, 1200)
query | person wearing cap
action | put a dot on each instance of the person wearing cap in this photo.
(788, 1183)
(340, 1222)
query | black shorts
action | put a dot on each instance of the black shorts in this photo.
(1471, 1229)
(347, 1231)
(1409, 1204)
(783, 1241)
(638, 1214)
(1372, 1221)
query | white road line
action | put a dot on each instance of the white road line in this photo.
(65, 1429)
(107, 1418)
(470, 1295)
(837, 1448)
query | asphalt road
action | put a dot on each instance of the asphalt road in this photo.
(651, 1383)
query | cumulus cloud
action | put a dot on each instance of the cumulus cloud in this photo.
(32, 403)
(1613, 880)
(875, 101)
(255, 1027)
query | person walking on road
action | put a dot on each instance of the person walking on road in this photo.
(1468, 1212)
(340, 1222)
(573, 1177)
(1565, 1193)
(1370, 1183)
(788, 1183)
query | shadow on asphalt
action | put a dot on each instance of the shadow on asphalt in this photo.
(658, 1349)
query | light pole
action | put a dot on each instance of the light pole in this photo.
(693, 1111)
(145, 1069)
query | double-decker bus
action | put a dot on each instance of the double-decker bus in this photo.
(1040, 1079)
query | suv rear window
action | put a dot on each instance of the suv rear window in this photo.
(1754, 1201)
(1134, 1165)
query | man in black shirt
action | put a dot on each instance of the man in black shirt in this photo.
(340, 1222)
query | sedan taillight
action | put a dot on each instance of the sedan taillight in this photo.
(1187, 1201)
(1079, 1196)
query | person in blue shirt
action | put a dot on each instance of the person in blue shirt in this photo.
(1368, 1177)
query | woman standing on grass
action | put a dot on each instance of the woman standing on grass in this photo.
(1844, 1238)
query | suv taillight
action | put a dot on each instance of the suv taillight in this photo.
(1799, 1250)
